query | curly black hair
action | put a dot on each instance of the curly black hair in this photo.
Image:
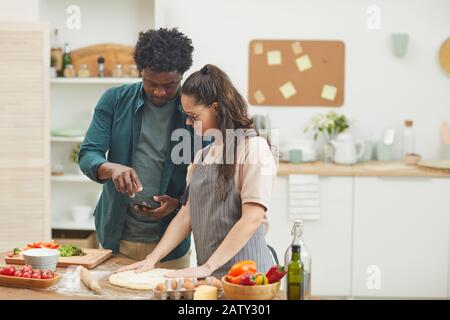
(163, 50)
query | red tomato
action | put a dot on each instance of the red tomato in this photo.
(9, 271)
(1, 271)
(36, 276)
(28, 268)
(18, 273)
(47, 274)
(36, 271)
(26, 275)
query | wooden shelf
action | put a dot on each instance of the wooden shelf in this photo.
(364, 169)
(73, 225)
(71, 178)
(108, 80)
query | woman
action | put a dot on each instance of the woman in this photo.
(229, 183)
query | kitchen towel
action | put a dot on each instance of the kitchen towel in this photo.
(304, 197)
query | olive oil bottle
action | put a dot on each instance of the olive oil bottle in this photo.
(295, 275)
(305, 258)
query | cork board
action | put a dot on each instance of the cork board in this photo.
(296, 73)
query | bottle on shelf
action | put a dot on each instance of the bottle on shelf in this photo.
(305, 258)
(67, 60)
(56, 54)
(408, 138)
(101, 67)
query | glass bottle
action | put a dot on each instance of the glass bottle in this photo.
(101, 67)
(56, 53)
(66, 57)
(305, 256)
(295, 275)
(408, 138)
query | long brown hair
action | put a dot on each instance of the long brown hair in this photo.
(209, 85)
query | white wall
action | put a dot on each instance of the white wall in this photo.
(113, 21)
(19, 10)
(380, 89)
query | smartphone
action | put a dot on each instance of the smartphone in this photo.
(151, 205)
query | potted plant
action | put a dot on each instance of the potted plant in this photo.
(74, 156)
(328, 126)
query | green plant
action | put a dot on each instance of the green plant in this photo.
(75, 152)
(329, 125)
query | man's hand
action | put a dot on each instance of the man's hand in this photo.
(168, 205)
(124, 178)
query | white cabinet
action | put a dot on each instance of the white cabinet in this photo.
(401, 237)
(328, 238)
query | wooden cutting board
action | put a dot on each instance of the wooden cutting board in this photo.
(92, 259)
(112, 53)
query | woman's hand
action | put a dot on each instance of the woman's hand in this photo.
(141, 266)
(196, 272)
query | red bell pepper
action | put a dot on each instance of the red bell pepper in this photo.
(248, 279)
(275, 273)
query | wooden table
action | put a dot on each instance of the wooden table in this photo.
(9, 293)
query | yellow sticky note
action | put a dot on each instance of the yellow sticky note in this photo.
(259, 96)
(273, 58)
(303, 63)
(258, 48)
(288, 90)
(329, 92)
(296, 47)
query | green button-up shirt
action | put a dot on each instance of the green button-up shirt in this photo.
(115, 129)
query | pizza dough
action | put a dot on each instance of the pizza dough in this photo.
(138, 281)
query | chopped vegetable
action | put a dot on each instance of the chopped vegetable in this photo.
(15, 252)
(49, 245)
(69, 250)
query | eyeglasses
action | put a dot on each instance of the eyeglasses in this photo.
(194, 118)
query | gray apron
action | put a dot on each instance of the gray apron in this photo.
(212, 219)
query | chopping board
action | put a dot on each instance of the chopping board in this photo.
(113, 54)
(435, 164)
(92, 259)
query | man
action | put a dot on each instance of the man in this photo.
(133, 123)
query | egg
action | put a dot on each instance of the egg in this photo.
(174, 284)
(188, 285)
(161, 287)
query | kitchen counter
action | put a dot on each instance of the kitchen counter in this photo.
(9, 293)
(365, 169)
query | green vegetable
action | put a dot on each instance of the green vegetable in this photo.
(69, 250)
(16, 251)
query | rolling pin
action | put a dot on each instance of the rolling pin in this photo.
(88, 280)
